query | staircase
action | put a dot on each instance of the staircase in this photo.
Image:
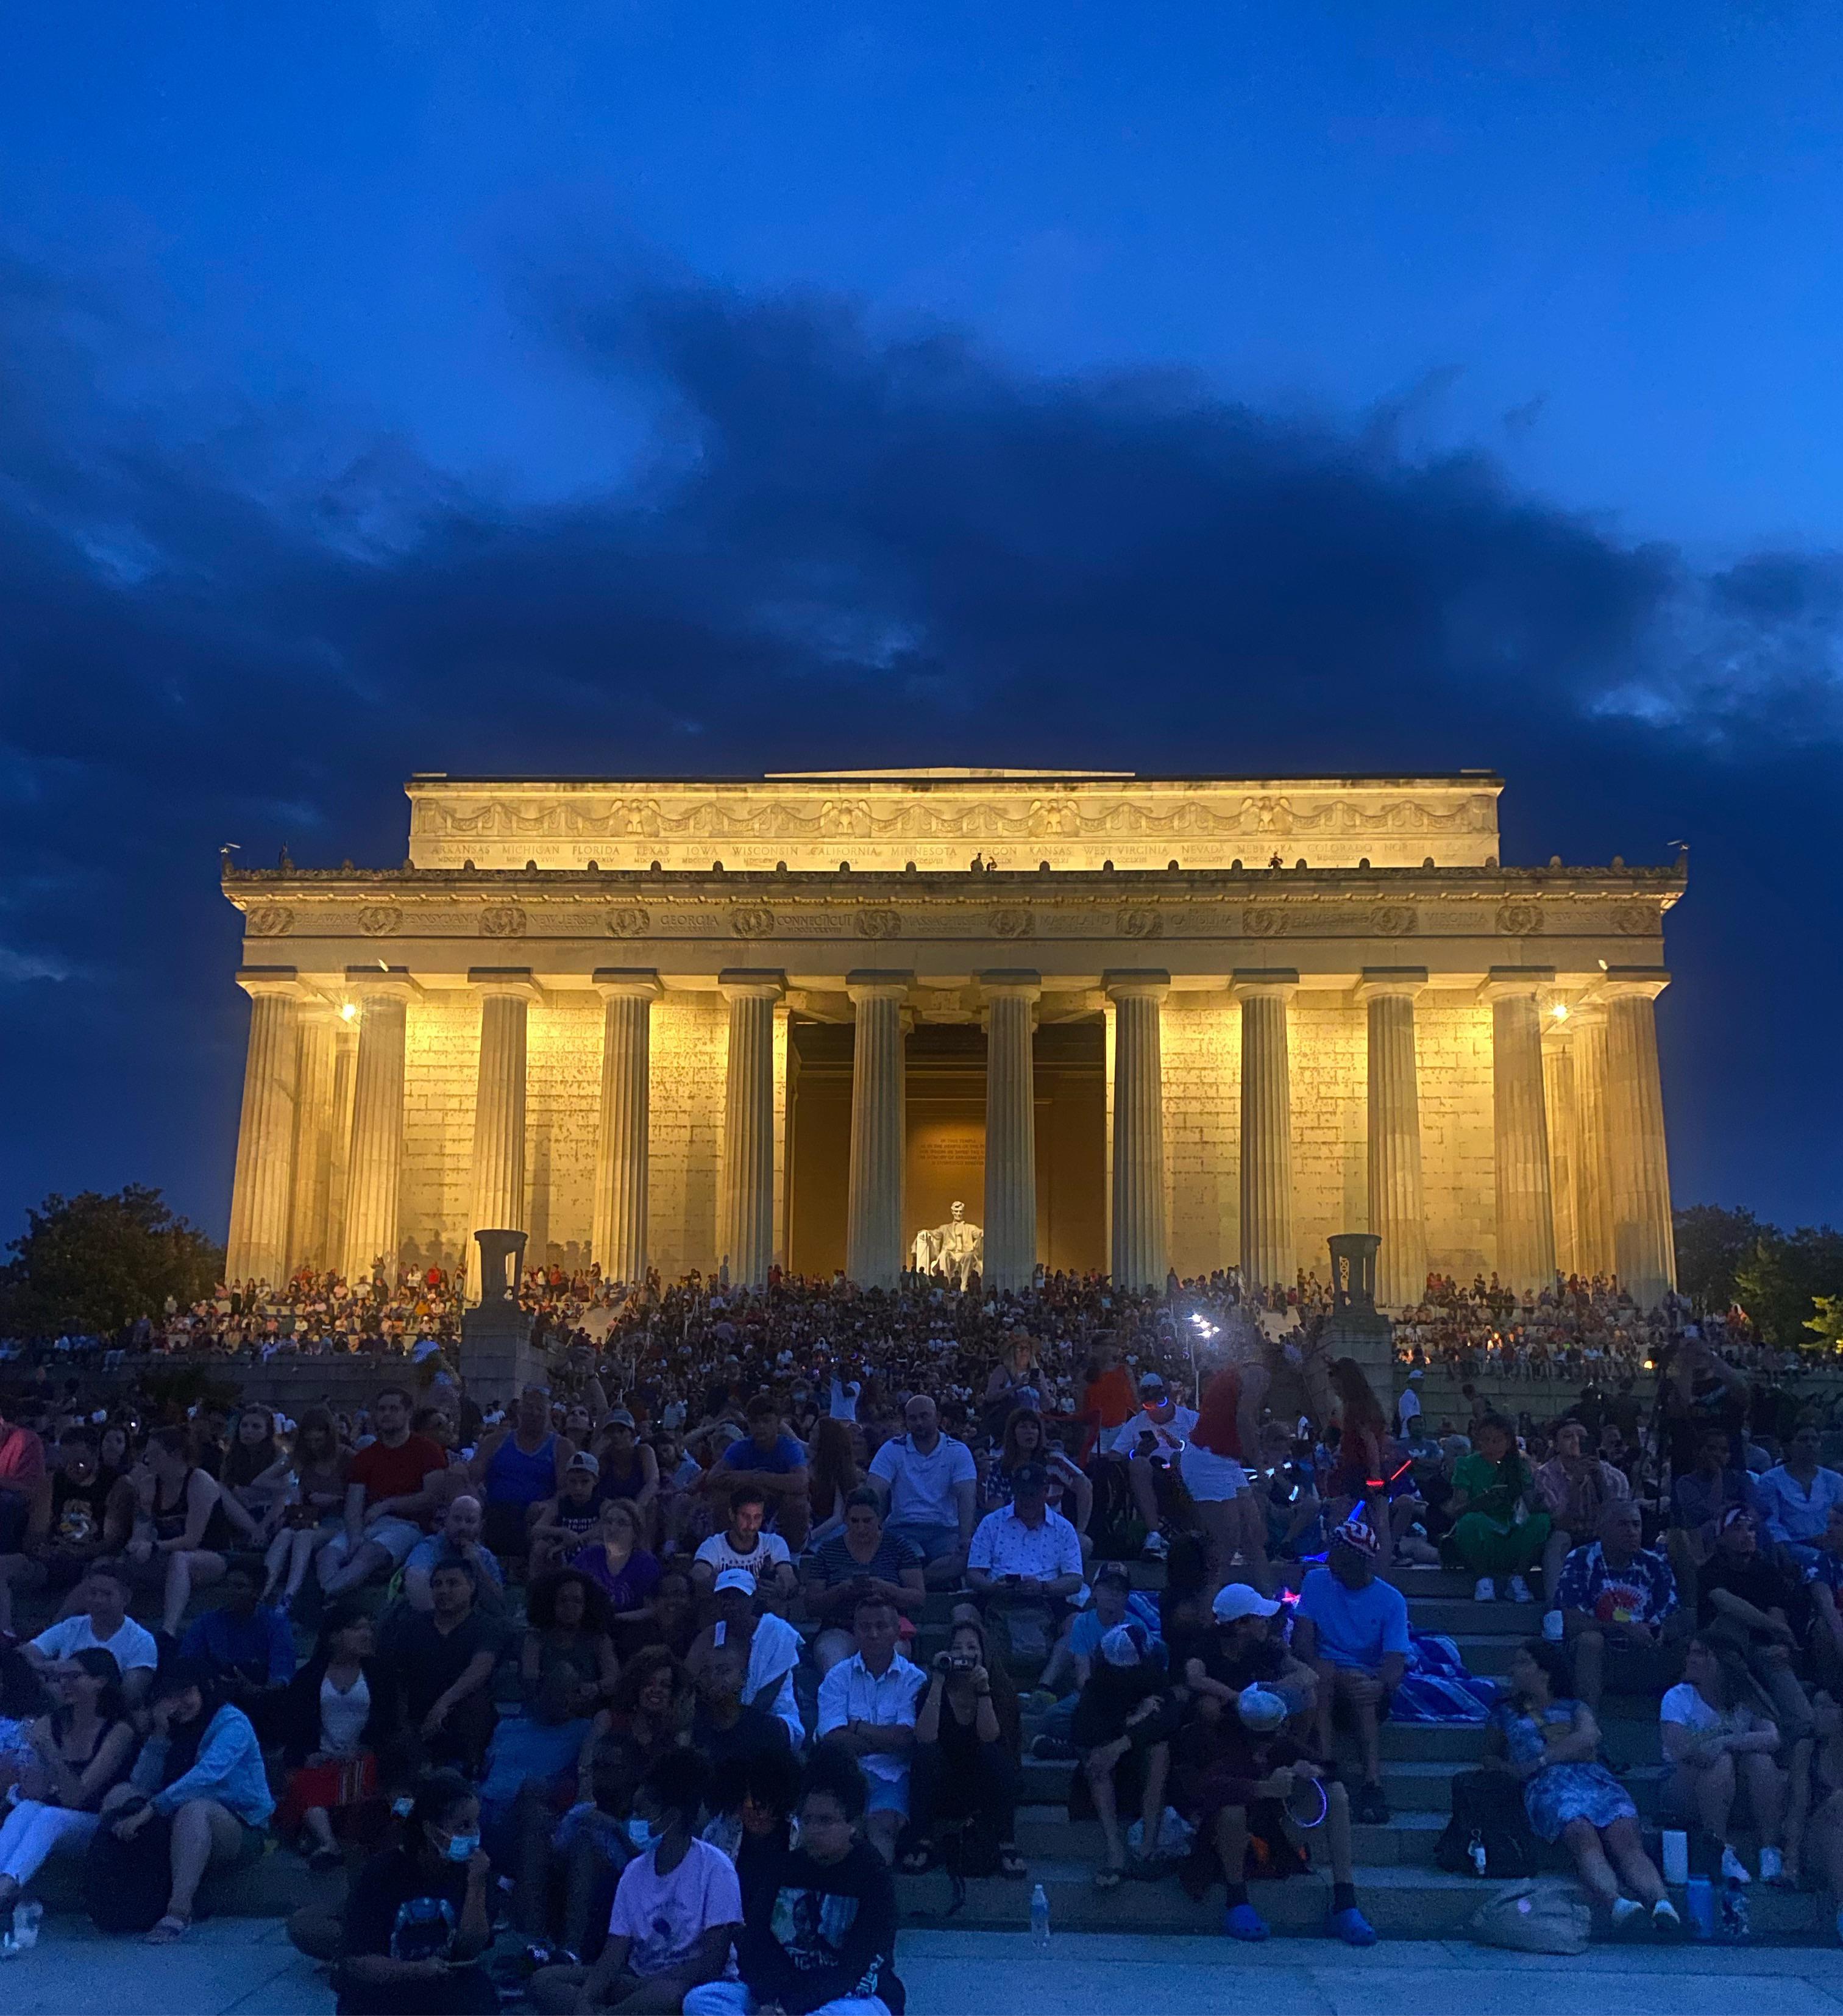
(1402, 1892)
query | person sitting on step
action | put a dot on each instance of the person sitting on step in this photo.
(1352, 1628)
(1122, 1726)
(1619, 1615)
(1251, 1780)
(1551, 1743)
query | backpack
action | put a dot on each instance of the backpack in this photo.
(125, 1883)
(1534, 1917)
(1488, 1805)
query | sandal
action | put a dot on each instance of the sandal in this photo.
(1012, 1865)
(1107, 1877)
(169, 1931)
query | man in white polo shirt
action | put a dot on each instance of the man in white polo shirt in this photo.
(928, 1483)
(866, 1705)
(104, 1622)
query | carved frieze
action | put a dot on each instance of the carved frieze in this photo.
(878, 924)
(626, 921)
(1013, 920)
(1518, 919)
(502, 920)
(379, 920)
(269, 920)
(1140, 921)
(752, 920)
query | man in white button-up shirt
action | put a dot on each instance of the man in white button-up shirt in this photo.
(866, 1705)
(1026, 1553)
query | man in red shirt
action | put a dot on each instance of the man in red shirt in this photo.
(22, 1479)
(390, 1493)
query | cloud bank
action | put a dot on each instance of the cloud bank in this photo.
(840, 545)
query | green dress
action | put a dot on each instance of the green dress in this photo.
(1487, 1540)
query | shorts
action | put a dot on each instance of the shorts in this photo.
(1209, 1478)
(886, 1795)
(934, 1541)
(398, 1537)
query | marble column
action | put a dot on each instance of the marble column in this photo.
(745, 1214)
(1563, 1142)
(496, 1187)
(1397, 1207)
(1644, 1246)
(1593, 1169)
(310, 1217)
(1140, 1257)
(1520, 1131)
(623, 1137)
(879, 1063)
(345, 1073)
(1268, 1257)
(374, 1164)
(257, 1248)
(1010, 1128)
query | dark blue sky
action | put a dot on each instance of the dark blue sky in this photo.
(628, 388)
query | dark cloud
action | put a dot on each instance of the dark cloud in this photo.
(840, 546)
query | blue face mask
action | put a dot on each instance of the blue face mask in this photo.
(462, 1847)
(644, 1834)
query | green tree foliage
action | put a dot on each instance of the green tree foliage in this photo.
(1781, 1284)
(1827, 1324)
(1712, 1245)
(92, 1263)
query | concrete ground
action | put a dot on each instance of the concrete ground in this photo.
(247, 1965)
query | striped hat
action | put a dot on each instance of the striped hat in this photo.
(1360, 1536)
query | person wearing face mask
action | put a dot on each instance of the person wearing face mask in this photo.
(418, 1917)
(677, 1907)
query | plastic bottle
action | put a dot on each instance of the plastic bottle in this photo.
(1699, 1904)
(1039, 1916)
(1475, 1852)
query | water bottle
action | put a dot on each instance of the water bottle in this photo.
(1699, 1903)
(1039, 1916)
(1736, 1922)
(26, 1918)
(1475, 1852)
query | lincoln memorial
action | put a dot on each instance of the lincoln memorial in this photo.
(1127, 1024)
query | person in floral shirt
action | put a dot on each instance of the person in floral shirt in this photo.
(1619, 1611)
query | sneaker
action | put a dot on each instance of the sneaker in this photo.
(1664, 1922)
(1772, 1869)
(1626, 1912)
(1243, 1922)
(1733, 1868)
(1156, 1547)
(1520, 1590)
(1372, 1809)
(1352, 1927)
(1486, 1591)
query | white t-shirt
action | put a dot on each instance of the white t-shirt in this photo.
(1169, 1435)
(921, 1487)
(133, 1644)
(768, 1552)
(1683, 1705)
(665, 1916)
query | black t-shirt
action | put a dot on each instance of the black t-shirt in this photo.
(429, 1663)
(76, 1513)
(1755, 1580)
(1259, 1665)
(754, 1729)
(395, 1910)
(814, 1934)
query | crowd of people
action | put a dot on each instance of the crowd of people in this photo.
(641, 1663)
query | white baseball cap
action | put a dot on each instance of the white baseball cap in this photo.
(1237, 1599)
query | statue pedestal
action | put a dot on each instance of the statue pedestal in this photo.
(1356, 1328)
(497, 1355)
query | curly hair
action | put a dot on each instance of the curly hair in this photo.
(540, 1602)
